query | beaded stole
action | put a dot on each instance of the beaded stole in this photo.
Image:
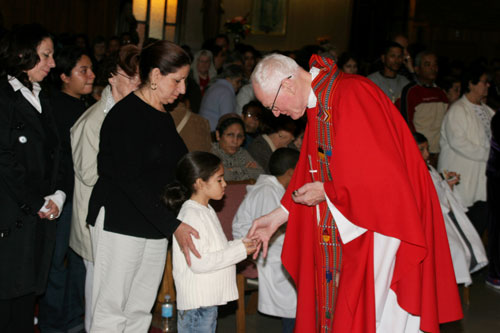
(328, 251)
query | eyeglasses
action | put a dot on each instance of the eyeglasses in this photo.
(277, 93)
(134, 78)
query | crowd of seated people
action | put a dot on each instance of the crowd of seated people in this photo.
(215, 111)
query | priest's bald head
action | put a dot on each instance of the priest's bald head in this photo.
(281, 85)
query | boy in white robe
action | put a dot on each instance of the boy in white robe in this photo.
(277, 294)
(467, 250)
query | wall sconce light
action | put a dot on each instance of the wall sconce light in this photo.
(157, 18)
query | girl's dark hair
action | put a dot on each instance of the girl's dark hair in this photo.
(472, 75)
(193, 165)
(66, 60)
(18, 52)
(224, 124)
(164, 55)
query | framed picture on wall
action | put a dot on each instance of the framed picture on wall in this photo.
(269, 17)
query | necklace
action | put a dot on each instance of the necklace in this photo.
(143, 97)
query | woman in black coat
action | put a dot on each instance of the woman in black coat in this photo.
(29, 160)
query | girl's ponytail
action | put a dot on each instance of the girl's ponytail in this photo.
(175, 195)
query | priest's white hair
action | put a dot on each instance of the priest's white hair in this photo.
(271, 70)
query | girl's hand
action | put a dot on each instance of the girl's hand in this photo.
(250, 245)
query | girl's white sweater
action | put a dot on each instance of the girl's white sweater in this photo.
(211, 279)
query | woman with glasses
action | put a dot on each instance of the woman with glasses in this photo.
(465, 144)
(238, 164)
(120, 70)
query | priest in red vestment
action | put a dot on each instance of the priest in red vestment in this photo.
(365, 243)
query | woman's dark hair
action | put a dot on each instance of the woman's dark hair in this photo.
(66, 60)
(127, 58)
(232, 71)
(18, 52)
(164, 55)
(344, 58)
(472, 75)
(271, 124)
(193, 165)
(225, 123)
(419, 137)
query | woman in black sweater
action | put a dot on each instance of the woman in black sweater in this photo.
(139, 150)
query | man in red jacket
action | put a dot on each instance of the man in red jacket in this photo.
(365, 242)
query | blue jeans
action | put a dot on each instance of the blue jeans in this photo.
(201, 320)
(288, 324)
(62, 305)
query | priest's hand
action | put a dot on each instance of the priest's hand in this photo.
(264, 227)
(183, 235)
(310, 194)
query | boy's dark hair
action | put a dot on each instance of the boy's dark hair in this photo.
(193, 165)
(420, 138)
(282, 160)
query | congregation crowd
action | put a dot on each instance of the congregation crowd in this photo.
(111, 149)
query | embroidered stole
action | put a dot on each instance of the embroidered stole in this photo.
(328, 251)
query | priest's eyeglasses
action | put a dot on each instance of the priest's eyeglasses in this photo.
(277, 93)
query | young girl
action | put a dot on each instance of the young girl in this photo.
(210, 280)
(467, 251)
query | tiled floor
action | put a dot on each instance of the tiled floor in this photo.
(482, 315)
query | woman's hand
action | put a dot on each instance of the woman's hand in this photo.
(183, 235)
(51, 213)
(252, 165)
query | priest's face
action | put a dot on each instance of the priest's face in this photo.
(288, 99)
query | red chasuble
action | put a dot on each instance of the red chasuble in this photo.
(380, 183)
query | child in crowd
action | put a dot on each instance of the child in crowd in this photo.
(467, 250)
(277, 294)
(210, 280)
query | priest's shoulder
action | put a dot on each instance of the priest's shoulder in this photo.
(353, 81)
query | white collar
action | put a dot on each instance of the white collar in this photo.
(31, 96)
(311, 102)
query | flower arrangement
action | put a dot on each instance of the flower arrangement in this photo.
(238, 27)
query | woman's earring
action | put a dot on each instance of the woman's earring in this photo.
(153, 86)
